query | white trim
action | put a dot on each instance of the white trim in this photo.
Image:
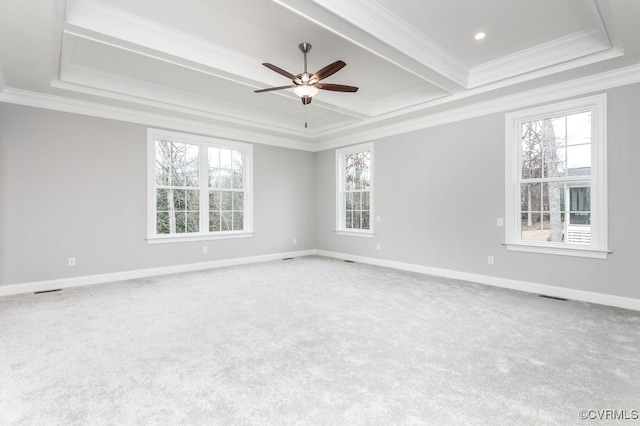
(598, 248)
(529, 287)
(90, 81)
(566, 250)
(355, 233)
(108, 24)
(186, 238)
(94, 109)
(339, 21)
(568, 89)
(563, 50)
(203, 142)
(62, 283)
(378, 21)
(361, 22)
(363, 131)
(84, 80)
(104, 24)
(341, 228)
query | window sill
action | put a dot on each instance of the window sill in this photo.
(574, 251)
(364, 234)
(162, 239)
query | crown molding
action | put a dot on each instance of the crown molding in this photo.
(612, 53)
(90, 81)
(321, 142)
(402, 101)
(599, 43)
(75, 106)
(562, 50)
(331, 20)
(601, 15)
(380, 22)
(353, 106)
(108, 85)
(103, 23)
(577, 87)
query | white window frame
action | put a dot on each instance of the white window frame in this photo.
(341, 228)
(203, 142)
(598, 248)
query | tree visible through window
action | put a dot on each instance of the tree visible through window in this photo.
(226, 190)
(177, 187)
(355, 188)
(201, 186)
(556, 169)
(556, 178)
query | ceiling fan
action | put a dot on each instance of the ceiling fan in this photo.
(306, 85)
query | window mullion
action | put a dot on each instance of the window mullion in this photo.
(204, 188)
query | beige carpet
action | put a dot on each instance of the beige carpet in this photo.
(311, 341)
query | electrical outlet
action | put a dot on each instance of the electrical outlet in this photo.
(72, 261)
(490, 260)
(205, 250)
(378, 246)
(295, 241)
(500, 221)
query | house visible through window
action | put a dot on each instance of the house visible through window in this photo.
(355, 190)
(198, 187)
(556, 192)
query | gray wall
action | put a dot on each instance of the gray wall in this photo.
(75, 186)
(72, 185)
(440, 190)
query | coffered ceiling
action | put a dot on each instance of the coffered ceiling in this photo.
(195, 64)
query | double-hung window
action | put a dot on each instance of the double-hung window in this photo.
(355, 190)
(556, 179)
(198, 187)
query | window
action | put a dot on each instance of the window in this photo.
(355, 190)
(198, 187)
(555, 179)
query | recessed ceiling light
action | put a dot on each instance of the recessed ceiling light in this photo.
(479, 36)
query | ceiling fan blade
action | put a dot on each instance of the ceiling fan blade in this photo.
(336, 87)
(282, 72)
(270, 89)
(328, 70)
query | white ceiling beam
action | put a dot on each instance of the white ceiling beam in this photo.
(367, 24)
(105, 24)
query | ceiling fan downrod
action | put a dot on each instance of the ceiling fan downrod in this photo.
(304, 48)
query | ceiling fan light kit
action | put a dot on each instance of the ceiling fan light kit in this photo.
(305, 90)
(307, 85)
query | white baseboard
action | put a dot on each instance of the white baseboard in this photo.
(566, 293)
(48, 285)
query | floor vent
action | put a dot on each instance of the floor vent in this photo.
(287, 258)
(349, 261)
(552, 297)
(47, 291)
